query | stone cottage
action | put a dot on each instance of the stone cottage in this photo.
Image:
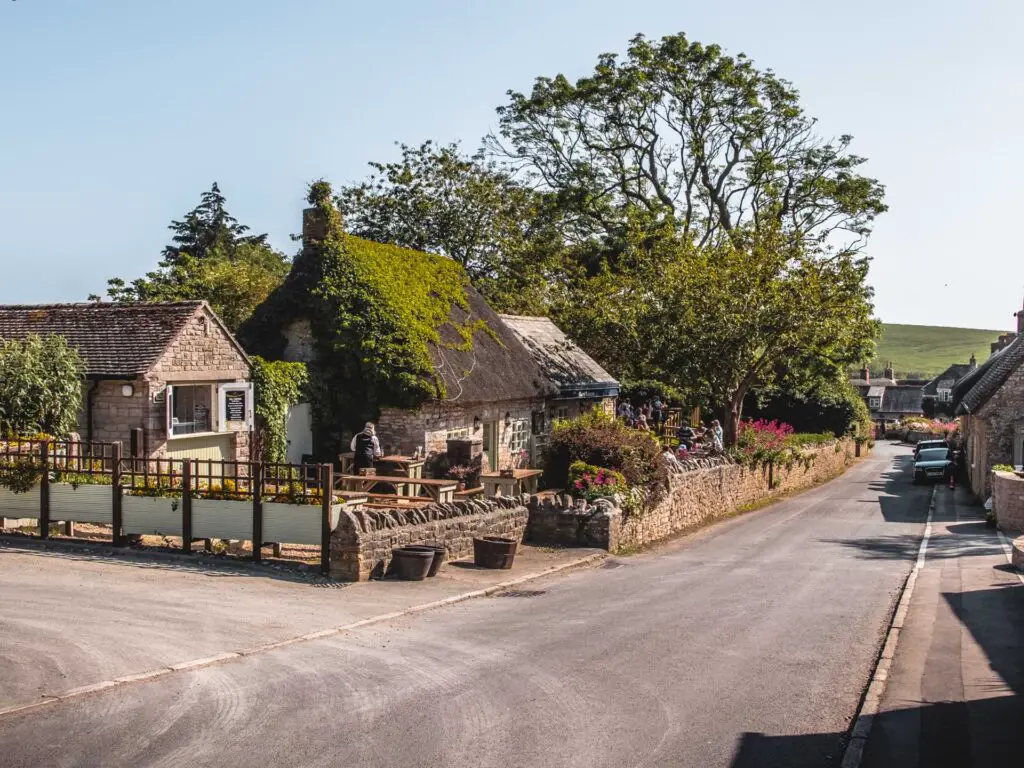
(937, 394)
(166, 379)
(887, 399)
(990, 402)
(385, 349)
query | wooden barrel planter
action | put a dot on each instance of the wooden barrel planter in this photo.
(439, 553)
(411, 564)
(494, 552)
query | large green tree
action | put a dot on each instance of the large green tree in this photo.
(438, 200)
(757, 311)
(678, 131)
(210, 257)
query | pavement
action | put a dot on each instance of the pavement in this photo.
(954, 696)
(747, 644)
(75, 618)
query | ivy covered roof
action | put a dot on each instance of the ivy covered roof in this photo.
(400, 325)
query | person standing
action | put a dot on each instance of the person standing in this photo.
(717, 437)
(366, 447)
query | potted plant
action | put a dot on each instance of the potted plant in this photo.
(466, 475)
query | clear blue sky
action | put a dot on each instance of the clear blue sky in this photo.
(117, 114)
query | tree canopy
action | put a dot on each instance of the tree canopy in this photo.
(210, 257)
(435, 199)
(678, 131)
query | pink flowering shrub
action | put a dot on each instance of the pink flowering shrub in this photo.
(587, 481)
(762, 436)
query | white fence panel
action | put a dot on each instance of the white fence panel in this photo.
(19, 504)
(291, 523)
(84, 504)
(157, 516)
(217, 519)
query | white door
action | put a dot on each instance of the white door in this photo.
(299, 431)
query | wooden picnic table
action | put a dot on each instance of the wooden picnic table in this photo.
(408, 466)
(438, 490)
(521, 481)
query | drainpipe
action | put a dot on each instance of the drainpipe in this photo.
(88, 408)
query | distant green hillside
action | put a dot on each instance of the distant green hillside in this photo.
(926, 350)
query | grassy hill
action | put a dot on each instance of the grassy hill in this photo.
(927, 350)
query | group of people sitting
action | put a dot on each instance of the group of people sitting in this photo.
(651, 415)
(700, 439)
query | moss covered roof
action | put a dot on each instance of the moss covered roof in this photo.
(407, 320)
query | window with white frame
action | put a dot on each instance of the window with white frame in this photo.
(518, 435)
(457, 434)
(944, 395)
(874, 403)
(189, 409)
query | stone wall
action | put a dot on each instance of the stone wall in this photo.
(1008, 501)
(432, 425)
(997, 423)
(699, 490)
(361, 544)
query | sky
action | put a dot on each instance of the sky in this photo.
(115, 115)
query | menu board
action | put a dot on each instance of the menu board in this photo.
(234, 405)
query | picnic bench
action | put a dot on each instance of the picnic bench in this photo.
(393, 464)
(521, 481)
(438, 490)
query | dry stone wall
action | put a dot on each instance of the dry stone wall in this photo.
(361, 544)
(1008, 501)
(699, 491)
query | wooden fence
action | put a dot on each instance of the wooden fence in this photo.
(70, 482)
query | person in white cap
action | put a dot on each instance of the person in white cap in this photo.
(366, 447)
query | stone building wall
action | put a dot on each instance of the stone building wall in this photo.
(703, 491)
(1008, 501)
(1002, 417)
(202, 353)
(361, 545)
(432, 425)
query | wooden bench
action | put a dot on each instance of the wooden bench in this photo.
(469, 493)
(438, 490)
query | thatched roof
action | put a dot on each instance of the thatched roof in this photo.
(492, 365)
(573, 371)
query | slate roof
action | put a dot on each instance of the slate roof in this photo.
(115, 340)
(568, 367)
(974, 390)
(902, 399)
(946, 379)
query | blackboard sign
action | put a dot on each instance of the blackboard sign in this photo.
(234, 405)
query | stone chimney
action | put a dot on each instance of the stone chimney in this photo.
(889, 372)
(1020, 321)
(973, 362)
(314, 226)
(865, 373)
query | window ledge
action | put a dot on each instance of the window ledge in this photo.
(196, 434)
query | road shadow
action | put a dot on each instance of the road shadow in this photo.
(197, 563)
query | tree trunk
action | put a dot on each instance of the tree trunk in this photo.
(733, 417)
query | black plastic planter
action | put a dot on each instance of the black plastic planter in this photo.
(494, 552)
(412, 564)
(440, 553)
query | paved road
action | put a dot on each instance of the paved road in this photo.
(748, 645)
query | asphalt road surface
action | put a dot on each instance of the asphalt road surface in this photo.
(749, 644)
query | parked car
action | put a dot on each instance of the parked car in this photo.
(933, 464)
(923, 444)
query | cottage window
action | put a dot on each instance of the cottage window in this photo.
(518, 436)
(944, 395)
(457, 434)
(874, 403)
(562, 412)
(189, 409)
